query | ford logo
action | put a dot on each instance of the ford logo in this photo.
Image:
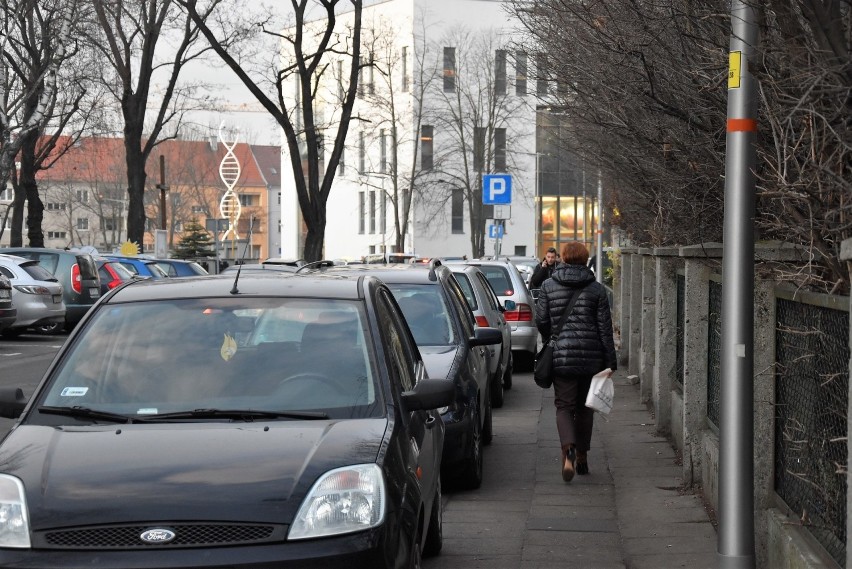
(158, 535)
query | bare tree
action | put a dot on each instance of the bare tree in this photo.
(310, 48)
(473, 117)
(130, 36)
(34, 43)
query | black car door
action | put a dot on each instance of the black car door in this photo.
(405, 366)
(476, 359)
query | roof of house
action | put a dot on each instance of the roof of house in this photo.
(187, 163)
(269, 160)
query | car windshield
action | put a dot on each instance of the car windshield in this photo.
(259, 354)
(499, 279)
(426, 312)
(156, 271)
(37, 272)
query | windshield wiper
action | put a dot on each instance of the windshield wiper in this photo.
(86, 413)
(241, 414)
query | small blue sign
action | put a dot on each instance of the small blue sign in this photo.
(495, 231)
(497, 189)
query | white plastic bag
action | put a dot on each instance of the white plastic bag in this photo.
(601, 392)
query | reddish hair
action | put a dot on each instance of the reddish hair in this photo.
(575, 253)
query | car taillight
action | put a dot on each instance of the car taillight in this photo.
(76, 280)
(481, 322)
(521, 313)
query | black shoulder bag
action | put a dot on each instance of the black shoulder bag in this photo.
(543, 371)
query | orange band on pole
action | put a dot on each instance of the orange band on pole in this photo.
(742, 125)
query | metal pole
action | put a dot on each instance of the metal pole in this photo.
(163, 189)
(736, 429)
(599, 246)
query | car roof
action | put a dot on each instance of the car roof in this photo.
(14, 258)
(276, 284)
(402, 273)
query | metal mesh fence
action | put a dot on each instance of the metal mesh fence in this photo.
(680, 327)
(811, 396)
(714, 352)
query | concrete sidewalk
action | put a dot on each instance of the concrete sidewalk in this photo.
(628, 513)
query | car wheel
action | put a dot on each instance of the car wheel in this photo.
(488, 427)
(497, 391)
(55, 328)
(416, 560)
(435, 533)
(507, 375)
(471, 477)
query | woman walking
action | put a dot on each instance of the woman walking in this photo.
(584, 347)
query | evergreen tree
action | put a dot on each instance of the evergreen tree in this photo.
(194, 243)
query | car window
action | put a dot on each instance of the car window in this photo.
(176, 355)
(489, 292)
(131, 268)
(197, 269)
(6, 272)
(499, 278)
(426, 313)
(167, 268)
(401, 359)
(156, 271)
(465, 315)
(467, 289)
(120, 270)
(37, 272)
(49, 261)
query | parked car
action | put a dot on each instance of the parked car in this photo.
(75, 271)
(8, 313)
(36, 294)
(181, 268)
(284, 261)
(174, 432)
(508, 284)
(112, 274)
(453, 348)
(140, 266)
(258, 268)
(488, 313)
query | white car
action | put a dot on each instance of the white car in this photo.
(36, 294)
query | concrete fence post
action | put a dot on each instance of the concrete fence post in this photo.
(647, 325)
(697, 263)
(665, 340)
(635, 339)
(625, 288)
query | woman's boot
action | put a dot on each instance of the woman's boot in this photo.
(569, 455)
(582, 464)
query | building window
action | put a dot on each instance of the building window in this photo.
(248, 200)
(362, 63)
(82, 223)
(457, 210)
(109, 224)
(405, 83)
(499, 149)
(520, 73)
(383, 144)
(55, 206)
(372, 212)
(541, 81)
(178, 226)
(520, 250)
(176, 199)
(56, 235)
(361, 212)
(500, 72)
(6, 194)
(279, 198)
(341, 164)
(198, 209)
(426, 141)
(384, 213)
(82, 196)
(362, 154)
(371, 84)
(478, 148)
(449, 70)
(340, 93)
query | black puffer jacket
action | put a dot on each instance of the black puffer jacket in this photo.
(585, 345)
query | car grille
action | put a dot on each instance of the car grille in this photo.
(186, 535)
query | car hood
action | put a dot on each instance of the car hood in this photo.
(240, 472)
(440, 361)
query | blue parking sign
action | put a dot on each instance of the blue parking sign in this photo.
(495, 231)
(497, 189)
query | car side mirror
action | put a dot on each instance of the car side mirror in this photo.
(486, 337)
(429, 394)
(509, 305)
(12, 402)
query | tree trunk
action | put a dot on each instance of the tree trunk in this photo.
(136, 177)
(16, 234)
(27, 182)
(315, 238)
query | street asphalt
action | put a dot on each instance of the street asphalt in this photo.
(629, 512)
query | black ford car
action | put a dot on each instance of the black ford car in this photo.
(259, 422)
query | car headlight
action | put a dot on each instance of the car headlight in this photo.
(14, 522)
(343, 500)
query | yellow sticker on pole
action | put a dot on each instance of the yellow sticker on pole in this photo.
(734, 69)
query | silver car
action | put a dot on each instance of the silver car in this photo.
(488, 312)
(36, 294)
(508, 284)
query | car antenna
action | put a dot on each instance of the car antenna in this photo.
(234, 289)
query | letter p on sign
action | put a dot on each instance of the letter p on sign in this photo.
(497, 189)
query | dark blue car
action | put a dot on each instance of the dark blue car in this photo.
(181, 268)
(140, 266)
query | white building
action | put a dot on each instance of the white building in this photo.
(446, 87)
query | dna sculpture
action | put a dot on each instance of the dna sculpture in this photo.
(229, 172)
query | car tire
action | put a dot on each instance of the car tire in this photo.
(488, 424)
(11, 333)
(435, 532)
(50, 329)
(497, 391)
(507, 375)
(471, 477)
(416, 559)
